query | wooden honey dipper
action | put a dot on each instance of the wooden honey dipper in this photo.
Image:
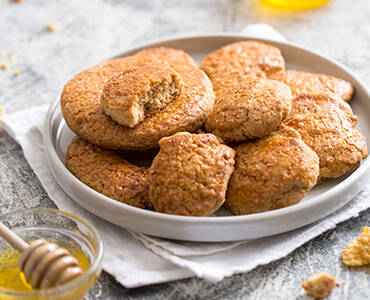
(43, 264)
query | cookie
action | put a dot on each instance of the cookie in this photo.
(247, 56)
(131, 95)
(270, 173)
(84, 114)
(228, 80)
(309, 84)
(189, 175)
(327, 125)
(108, 173)
(170, 55)
(252, 109)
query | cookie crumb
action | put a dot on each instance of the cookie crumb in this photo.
(320, 285)
(357, 253)
(17, 72)
(4, 65)
(52, 27)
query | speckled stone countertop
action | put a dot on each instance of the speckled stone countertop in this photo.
(89, 31)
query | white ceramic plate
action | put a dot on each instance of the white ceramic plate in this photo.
(320, 202)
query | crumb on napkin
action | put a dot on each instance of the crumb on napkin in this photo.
(357, 253)
(320, 285)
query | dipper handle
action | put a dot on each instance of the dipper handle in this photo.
(14, 240)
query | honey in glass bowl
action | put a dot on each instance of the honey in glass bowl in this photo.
(73, 233)
(11, 276)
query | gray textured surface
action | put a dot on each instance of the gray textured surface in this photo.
(91, 30)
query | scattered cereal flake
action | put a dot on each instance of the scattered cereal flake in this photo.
(4, 65)
(17, 72)
(52, 27)
(17, 1)
(364, 241)
(357, 253)
(320, 285)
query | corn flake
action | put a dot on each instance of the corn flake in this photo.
(357, 253)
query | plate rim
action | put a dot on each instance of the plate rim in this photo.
(278, 213)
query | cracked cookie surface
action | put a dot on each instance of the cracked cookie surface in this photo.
(270, 173)
(246, 56)
(327, 125)
(252, 109)
(189, 175)
(108, 173)
(304, 83)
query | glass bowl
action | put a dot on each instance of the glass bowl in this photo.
(66, 230)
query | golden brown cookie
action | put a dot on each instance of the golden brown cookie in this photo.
(170, 55)
(108, 173)
(270, 173)
(327, 125)
(308, 83)
(251, 56)
(131, 95)
(189, 175)
(84, 114)
(229, 79)
(252, 109)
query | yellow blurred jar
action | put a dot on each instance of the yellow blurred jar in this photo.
(294, 5)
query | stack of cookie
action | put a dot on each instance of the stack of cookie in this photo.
(272, 134)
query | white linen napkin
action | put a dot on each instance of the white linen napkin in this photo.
(136, 259)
